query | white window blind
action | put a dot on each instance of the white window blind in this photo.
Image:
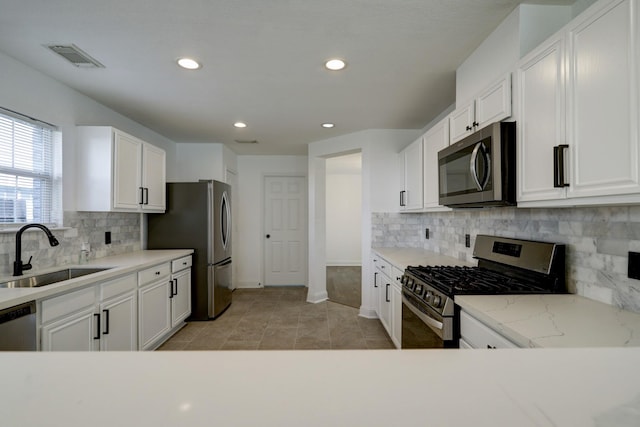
(26, 170)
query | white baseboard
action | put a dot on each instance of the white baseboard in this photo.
(368, 313)
(317, 297)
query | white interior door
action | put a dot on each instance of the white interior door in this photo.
(285, 231)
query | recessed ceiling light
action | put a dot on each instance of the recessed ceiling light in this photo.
(240, 125)
(328, 125)
(335, 64)
(188, 63)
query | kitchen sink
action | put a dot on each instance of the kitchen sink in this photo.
(50, 278)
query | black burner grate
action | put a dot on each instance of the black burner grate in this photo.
(458, 280)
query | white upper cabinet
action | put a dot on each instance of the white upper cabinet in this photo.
(603, 101)
(578, 112)
(411, 192)
(541, 121)
(435, 140)
(492, 105)
(118, 172)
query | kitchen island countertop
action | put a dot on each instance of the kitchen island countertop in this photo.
(514, 387)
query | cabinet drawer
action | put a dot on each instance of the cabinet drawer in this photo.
(479, 335)
(118, 286)
(384, 266)
(63, 305)
(180, 264)
(154, 274)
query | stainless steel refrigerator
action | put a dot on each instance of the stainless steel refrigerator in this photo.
(198, 217)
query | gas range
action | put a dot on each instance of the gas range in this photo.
(505, 266)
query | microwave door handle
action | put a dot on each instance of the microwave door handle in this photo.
(472, 166)
(480, 148)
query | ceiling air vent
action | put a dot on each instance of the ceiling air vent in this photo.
(75, 55)
(246, 141)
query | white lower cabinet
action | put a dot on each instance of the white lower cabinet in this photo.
(396, 312)
(475, 334)
(389, 298)
(385, 302)
(119, 330)
(164, 301)
(75, 332)
(138, 311)
(100, 317)
(154, 305)
(181, 295)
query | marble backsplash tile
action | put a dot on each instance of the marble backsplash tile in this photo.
(83, 227)
(598, 240)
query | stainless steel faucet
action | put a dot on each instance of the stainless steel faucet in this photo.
(18, 266)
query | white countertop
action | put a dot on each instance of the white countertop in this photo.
(119, 265)
(404, 257)
(554, 320)
(516, 387)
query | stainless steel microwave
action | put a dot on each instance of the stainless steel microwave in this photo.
(480, 170)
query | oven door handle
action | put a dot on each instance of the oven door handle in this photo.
(435, 325)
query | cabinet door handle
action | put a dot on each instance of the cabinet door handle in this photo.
(468, 128)
(375, 279)
(559, 180)
(475, 124)
(106, 326)
(402, 202)
(97, 317)
(141, 195)
(171, 288)
(146, 195)
(176, 284)
(386, 293)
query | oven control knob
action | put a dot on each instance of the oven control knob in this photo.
(410, 282)
(437, 301)
(418, 289)
(428, 295)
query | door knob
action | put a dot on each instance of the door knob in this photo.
(268, 235)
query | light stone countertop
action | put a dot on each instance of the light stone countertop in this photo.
(118, 266)
(512, 387)
(404, 257)
(554, 320)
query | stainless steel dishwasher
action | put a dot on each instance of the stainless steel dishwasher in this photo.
(18, 327)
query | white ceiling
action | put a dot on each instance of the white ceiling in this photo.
(262, 62)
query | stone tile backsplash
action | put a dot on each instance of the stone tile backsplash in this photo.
(598, 241)
(83, 227)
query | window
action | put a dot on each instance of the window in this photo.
(26, 170)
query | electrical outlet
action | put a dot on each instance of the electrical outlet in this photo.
(107, 237)
(467, 240)
(426, 233)
(634, 266)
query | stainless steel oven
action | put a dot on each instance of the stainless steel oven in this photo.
(480, 169)
(427, 329)
(430, 318)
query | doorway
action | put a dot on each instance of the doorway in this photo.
(343, 204)
(285, 232)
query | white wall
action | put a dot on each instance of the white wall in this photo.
(344, 210)
(249, 243)
(379, 190)
(495, 56)
(27, 91)
(196, 161)
(524, 29)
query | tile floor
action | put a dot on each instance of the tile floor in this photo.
(278, 319)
